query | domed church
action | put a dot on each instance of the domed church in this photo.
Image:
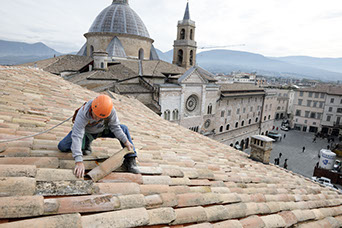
(120, 32)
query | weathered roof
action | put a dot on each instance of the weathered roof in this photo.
(61, 63)
(240, 87)
(324, 88)
(187, 179)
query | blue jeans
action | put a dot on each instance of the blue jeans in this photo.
(65, 144)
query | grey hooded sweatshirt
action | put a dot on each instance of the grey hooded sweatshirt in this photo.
(84, 123)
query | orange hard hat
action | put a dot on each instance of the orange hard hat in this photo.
(102, 106)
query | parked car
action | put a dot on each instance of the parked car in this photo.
(238, 147)
(337, 165)
(284, 128)
(324, 181)
(274, 135)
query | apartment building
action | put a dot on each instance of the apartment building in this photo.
(332, 116)
(239, 113)
(318, 109)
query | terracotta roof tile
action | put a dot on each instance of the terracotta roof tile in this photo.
(17, 186)
(69, 220)
(20, 207)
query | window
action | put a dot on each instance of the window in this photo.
(102, 65)
(321, 103)
(242, 123)
(308, 103)
(310, 94)
(298, 112)
(175, 114)
(341, 101)
(301, 93)
(322, 95)
(313, 115)
(330, 109)
(339, 110)
(180, 57)
(270, 106)
(249, 121)
(315, 104)
(227, 127)
(305, 121)
(251, 109)
(264, 118)
(332, 100)
(244, 110)
(300, 101)
(238, 111)
(191, 35)
(222, 113)
(319, 115)
(316, 95)
(210, 109)
(182, 34)
(256, 120)
(236, 124)
(141, 54)
(229, 112)
(307, 113)
(269, 117)
(266, 107)
(191, 60)
(328, 118)
(167, 114)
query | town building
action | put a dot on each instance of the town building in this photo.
(238, 115)
(332, 116)
(318, 109)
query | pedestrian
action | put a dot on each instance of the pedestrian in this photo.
(285, 164)
(280, 154)
(276, 161)
(280, 139)
(284, 136)
(303, 149)
(97, 119)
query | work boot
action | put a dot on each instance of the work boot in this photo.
(131, 165)
(87, 150)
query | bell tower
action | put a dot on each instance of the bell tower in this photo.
(184, 48)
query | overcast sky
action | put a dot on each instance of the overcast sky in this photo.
(268, 27)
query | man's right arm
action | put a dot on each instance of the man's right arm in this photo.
(77, 135)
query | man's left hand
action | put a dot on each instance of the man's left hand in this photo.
(129, 145)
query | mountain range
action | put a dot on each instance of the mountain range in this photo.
(226, 61)
(13, 53)
(215, 61)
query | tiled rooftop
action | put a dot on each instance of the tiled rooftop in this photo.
(187, 179)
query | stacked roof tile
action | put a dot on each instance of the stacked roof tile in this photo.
(187, 179)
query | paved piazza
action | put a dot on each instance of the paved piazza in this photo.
(291, 148)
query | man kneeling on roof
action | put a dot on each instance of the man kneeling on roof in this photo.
(97, 119)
